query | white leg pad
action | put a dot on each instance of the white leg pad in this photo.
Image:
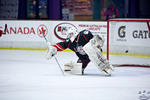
(77, 69)
(95, 55)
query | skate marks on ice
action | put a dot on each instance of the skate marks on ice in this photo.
(27, 75)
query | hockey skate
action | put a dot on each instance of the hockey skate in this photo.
(74, 68)
(108, 70)
(68, 66)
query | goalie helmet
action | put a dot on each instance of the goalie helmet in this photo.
(98, 40)
(71, 34)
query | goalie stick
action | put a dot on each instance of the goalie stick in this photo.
(54, 57)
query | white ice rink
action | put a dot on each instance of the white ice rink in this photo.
(27, 75)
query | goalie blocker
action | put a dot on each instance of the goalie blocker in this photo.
(93, 50)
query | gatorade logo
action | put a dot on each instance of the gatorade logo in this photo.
(121, 31)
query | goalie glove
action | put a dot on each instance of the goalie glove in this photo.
(51, 51)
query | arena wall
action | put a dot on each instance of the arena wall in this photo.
(28, 35)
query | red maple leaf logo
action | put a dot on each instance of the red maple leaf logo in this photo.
(42, 29)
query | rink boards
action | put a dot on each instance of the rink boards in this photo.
(27, 35)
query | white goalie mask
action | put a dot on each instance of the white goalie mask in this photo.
(98, 40)
(71, 34)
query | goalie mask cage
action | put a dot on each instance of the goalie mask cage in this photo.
(128, 42)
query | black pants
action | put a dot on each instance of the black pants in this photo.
(84, 62)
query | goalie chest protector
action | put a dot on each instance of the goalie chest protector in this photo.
(77, 45)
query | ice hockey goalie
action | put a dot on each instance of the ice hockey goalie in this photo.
(86, 46)
(94, 51)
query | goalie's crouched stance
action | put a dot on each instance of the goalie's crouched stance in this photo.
(87, 47)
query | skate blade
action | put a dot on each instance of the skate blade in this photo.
(66, 70)
(67, 65)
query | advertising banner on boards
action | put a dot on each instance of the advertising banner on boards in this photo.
(130, 34)
(55, 31)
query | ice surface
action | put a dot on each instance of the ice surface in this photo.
(27, 75)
